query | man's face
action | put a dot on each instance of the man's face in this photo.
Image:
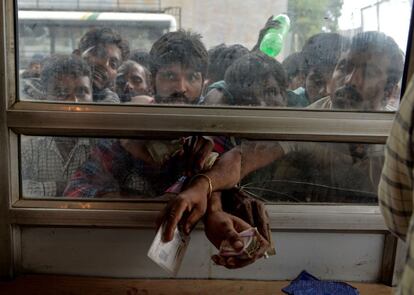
(316, 83)
(269, 93)
(36, 68)
(359, 81)
(296, 82)
(104, 61)
(176, 84)
(136, 82)
(69, 88)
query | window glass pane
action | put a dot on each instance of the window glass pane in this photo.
(314, 54)
(147, 169)
(313, 172)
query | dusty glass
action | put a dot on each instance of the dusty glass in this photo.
(149, 169)
(307, 54)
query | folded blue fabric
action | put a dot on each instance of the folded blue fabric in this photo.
(307, 284)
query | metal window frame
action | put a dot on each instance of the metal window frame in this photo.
(33, 118)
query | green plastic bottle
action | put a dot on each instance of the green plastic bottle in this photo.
(272, 41)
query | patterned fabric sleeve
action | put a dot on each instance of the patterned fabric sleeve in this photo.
(31, 187)
(95, 177)
(396, 186)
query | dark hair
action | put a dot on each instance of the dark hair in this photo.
(293, 65)
(104, 36)
(182, 47)
(376, 42)
(141, 57)
(250, 69)
(214, 52)
(222, 59)
(37, 59)
(323, 51)
(58, 65)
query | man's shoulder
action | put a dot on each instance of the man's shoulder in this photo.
(297, 98)
(218, 94)
(31, 88)
(106, 95)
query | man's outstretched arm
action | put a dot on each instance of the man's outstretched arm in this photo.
(191, 204)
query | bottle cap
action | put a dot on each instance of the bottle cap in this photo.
(284, 20)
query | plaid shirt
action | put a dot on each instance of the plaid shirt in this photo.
(44, 170)
(111, 169)
(31, 88)
(396, 186)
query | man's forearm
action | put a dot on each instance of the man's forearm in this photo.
(239, 162)
(258, 154)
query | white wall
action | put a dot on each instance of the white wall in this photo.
(122, 253)
(227, 21)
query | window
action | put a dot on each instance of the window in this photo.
(338, 67)
(298, 101)
(71, 58)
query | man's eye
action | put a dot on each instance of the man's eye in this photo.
(136, 80)
(168, 75)
(114, 64)
(194, 77)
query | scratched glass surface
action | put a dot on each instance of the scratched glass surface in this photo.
(279, 54)
(125, 169)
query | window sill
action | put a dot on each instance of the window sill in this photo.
(49, 284)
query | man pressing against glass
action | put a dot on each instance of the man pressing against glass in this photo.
(104, 50)
(134, 83)
(125, 167)
(362, 79)
(48, 162)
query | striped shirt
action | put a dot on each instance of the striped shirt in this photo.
(395, 190)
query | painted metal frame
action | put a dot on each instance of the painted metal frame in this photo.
(33, 118)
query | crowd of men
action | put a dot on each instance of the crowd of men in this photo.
(331, 72)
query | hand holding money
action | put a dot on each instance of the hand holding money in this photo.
(169, 255)
(186, 208)
(238, 242)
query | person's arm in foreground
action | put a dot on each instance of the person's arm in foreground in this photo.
(395, 191)
(191, 204)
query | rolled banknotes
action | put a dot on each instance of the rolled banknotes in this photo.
(251, 244)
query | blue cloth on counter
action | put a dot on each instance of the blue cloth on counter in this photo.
(307, 284)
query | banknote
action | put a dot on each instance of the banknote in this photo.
(251, 243)
(169, 255)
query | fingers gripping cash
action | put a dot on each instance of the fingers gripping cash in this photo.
(234, 222)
